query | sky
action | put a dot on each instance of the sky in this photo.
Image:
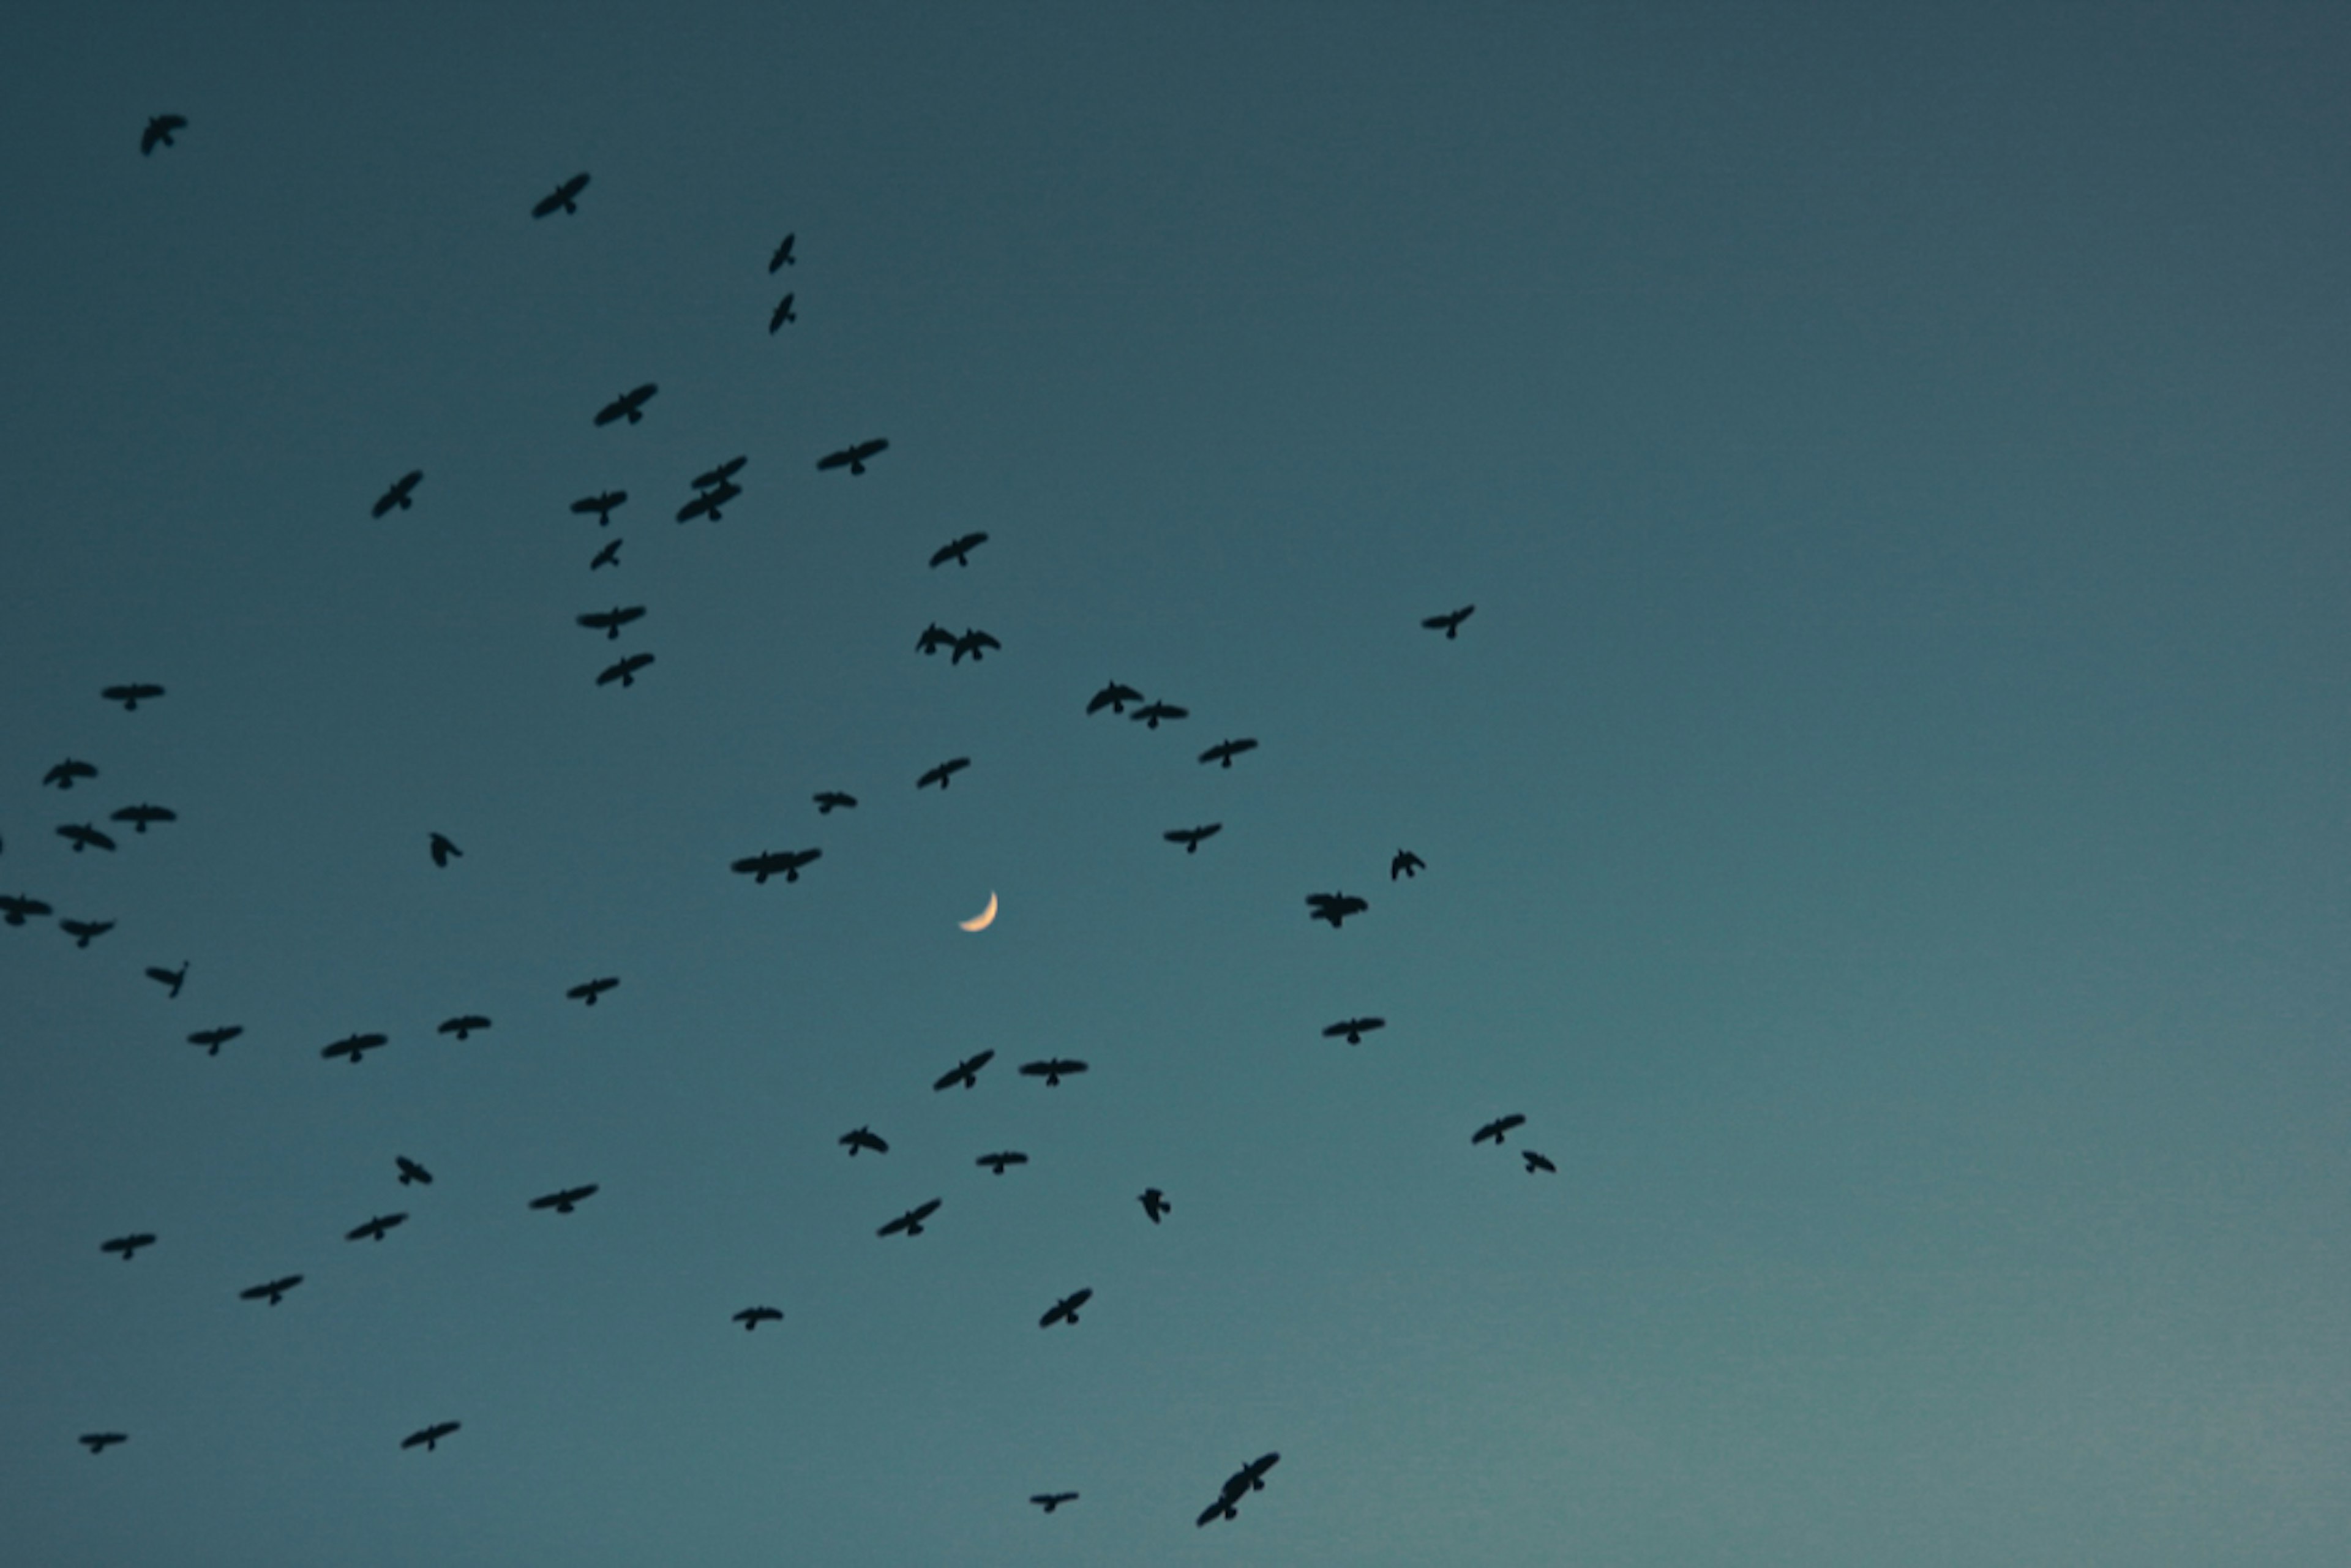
(1884, 821)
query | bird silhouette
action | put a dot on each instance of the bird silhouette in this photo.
(1224, 751)
(767, 863)
(721, 473)
(131, 695)
(706, 503)
(599, 507)
(783, 313)
(972, 643)
(398, 495)
(63, 774)
(129, 1245)
(858, 1138)
(1405, 863)
(752, 1317)
(609, 622)
(1249, 1477)
(783, 256)
(608, 556)
(172, 980)
(1190, 837)
(463, 1027)
(589, 990)
(1335, 908)
(430, 1438)
(443, 850)
(1353, 1028)
(1154, 1203)
(1048, 1500)
(15, 906)
(564, 196)
(852, 458)
(1065, 1311)
(943, 772)
(1113, 697)
(211, 1039)
(934, 638)
(1052, 1070)
(1450, 623)
(1536, 1162)
(630, 406)
(966, 1071)
(997, 1162)
(1151, 713)
(958, 551)
(826, 799)
(411, 1172)
(354, 1046)
(374, 1230)
(626, 672)
(84, 837)
(98, 1442)
(563, 1202)
(159, 132)
(274, 1291)
(1496, 1128)
(911, 1222)
(140, 816)
(84, 931)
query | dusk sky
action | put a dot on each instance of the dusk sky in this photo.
(1883, 822)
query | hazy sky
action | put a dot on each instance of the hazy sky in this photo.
(1885, 821)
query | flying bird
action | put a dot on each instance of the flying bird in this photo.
(564, 196)
(1224, 751)
(827, 800)
(589, 990)
(1405, 863)
(1154, 1203)
(430, 1436)
(133, 695)
(1449, 623)
(374, 1229)
(852, 457)
(966, 1071)
(767, 863)
(752, 1317)
(275, 1290)
(1113, 697)
(599, 507)
(783, 256)
(626, 672)
(463, 1026)
(159, 132)
(63, 774)
(1353, 1028)
(1536, 1162)
(943, 772)
(960, 551)
(399, 494)
(1335, 908)
(630, 406)
(972, 643)
(609, 622)
(783, 313)
(608, 556)
(128, 1245)
(1153, 713)
(1249, 1477)
(443, 852)
(84, 837)
(934, 638)
(15, 906)
(1053, 1070)
(911, 1222)
(1048, 1500)
(354, 1046)
(1065, 1311)
(862, 1138)
(705, 504)
(173, 978)
(997, 1162)
(211, 1039)
(1190, 837)
(99, 1441)
(411, 1172)
(720, 474)
(82, 931)
(1496, 1128)
(140, 816)
(562, 1202)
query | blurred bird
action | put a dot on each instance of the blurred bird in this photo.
(608, 556)
(966, 1071)
(211, 1039)
(589, 990)
(1536, 1162)
(911, 1222)
(972, 643)
(443, 852)
(1353, 1028)
(1065, 1311)
(374, 1229)
(133, 695)
(159, 131)
(609, 622)
(960, 551)
(783, 313)
(1154, 1203)
(1190, 837)
(862, 1138)
(997, 1162)
(140, 816)
(1113, 697)
(171, 979)
(783, 256)
(1335, 908)
(82, 931)
(84, 837)
(1052, 1070)
(15, 907)
(430, 1438)
(943, 772)
(752, 1317)
(1152, 714)
(1050, 1501)
(275, 1290)
(128, 1245)
(398, 495)
(626, 672)
(1405, 863)
(852, 457)
(934, 638)
(1224, 751)
(827, 800)
(630, 406)
(706, 503)
(100, 1441)
(354, 1046)
(1249, 1477)
(1496, 1128)
(63, 774)
(563, 1202)
(599, 507)
(1449, 623)
(766, 863)
(463, 1027)
(411, 1172)
(720, 474)
(563, 196)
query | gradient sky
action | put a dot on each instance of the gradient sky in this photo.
(1885, 821)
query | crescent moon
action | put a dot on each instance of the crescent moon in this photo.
(979, 922)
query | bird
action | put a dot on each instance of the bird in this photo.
(1065, 1311)
(100, 1441)
(1451, 622)
(564, 196)
(943, 772)
(966, 1071)
(159, 132)
(411, 1172)
(84, 837)
(609, 622)
(63, 774)
(1154, 1203)
(766, 863)
(626, 672)
(82, 931)
(1113, 697)
(783, 256)
(1536, 1162)
(354, 1046)
(1335, 908)
(589, 990)
(997, 1162)
(859, 1138)
(398, 495)
(128, 1245)
(972, 641)
(443, 850)
(783, 313)
(705, 503)
(934, 638)
(1496, 1128)
(430, 1436)
(1353, 1028)
(958, 551)
(1153, 713)
(852, 457)
(140, 815)
(374, 1229)
(463, 1027)
(15, 906)
(1190, 837)
(275, 1290)
(131, 695)
(752, 1317)
(1224, 751)
(608, 556)
(599, 507)
(173, 978)
(1053, 1070)
(563, 1202)
(1405, 863)
(826, 799)
(911, 1222)
(1048, 1500)
(1249, 1477)
(720, 474)
(211, 1039)
(630, 406)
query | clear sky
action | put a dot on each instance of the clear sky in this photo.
(1884, 823)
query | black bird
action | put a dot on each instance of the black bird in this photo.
(354, 1046)
(705, 504)
(943, 772)
(966, 1071)
(84, 837)
(752, 1317)
(1114, 697)
(1249, 1477)
(398, 495)
(140, 816)
(960, 551)
(430, 1438)
(630, 406)
(82, 931)
(783, 314)
(862, 1138)
(971, 643)
(374, 1229)
(783, 256)
(1153, 713)
(1190, 837)
(599, 507)
(608, 556)
(911, 1222)
(1224, 751)
(15, 906)
(997, 1162)
(562, 1202)
(133, 695)
(463, 1026)
(852, 457)
(1449, 623)
(720, 474)
(589, 990)
(1154, 1203)
(609, 622)
(766, 863)
(173, 978)
(934, 638)
(1051, 1069)
(99, 1441)
(1048, 1500)
(563, 196)
(63, 774)
(159, 132)
(1335, 908)
(1353, 1028)
(1496, 1128)
(443, 852)
(1405, 863)
(1536, 1162)
(274, 1291)
(211, 1039)
(128, 1245)
(626, 672)
(1065, 1311)
(828, 799)
(411, 1172)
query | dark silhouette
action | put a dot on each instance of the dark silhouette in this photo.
(608, 556)
(911, 1222)
(852, 457)
(430, 1438)
(862, 1138)
(626, 672)
(1113, 697)
(599, 507)
(274, 1291)
(398, 495)
(1052, 1070)
(82, 931)
(1450, 623)
(1048, 1500)
(128, 1245)
(768, 862)
(589, 990)
(630, 406)
(609, 622)
(159, 132)
(172, 979)
(706, 504)
(564, 1201)
(355, 1046)
(997, 1162)
(783, 313)
(211, 1039)
(972, 643)
(1249, 1477)
(1353, 1028)
(1405, 863)
(1065, 1311)
(1536, 1162)
(84, 837)
(720, 474)
(564, 196)
(63, 774)
(966, 1071)
(943, 772)
(463, 1026)
(411, 1172)
(783, 256)
(1153, 713)
(99, 1441)
(934, 638)
(960, 551)
(374, 1229)
(15, 906)
(826, 799)
(140, 815)
(443, 852)
(1154, 1203)
(133, 695)
(1496, 1128)
(1190, 837)
(1224, 751)
(752, 1317)
(1335, 908)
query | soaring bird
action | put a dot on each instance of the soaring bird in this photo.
(1451, 622)
(706, 503)
(934, 638)
(943, 772)
(171, 979)
(99, 1441)
(1065, 1311)
(858, 1138)
(1113, 697)
(463, 1027)
(1496, 1128)
(159, 132)
(599, 507)
(1405, 863)
(374, 1229)
(911, 1222)
(564, 196)
(354, 1046)
(15, 906)
(589, 990)
(430, 1436)
(721, 473)
(83, 931)
(630, 406)
(958, 551)
(130, 696)
(626, 672)
(1151, 713)
(783, 313)
(966, 1071)
(1190, 837)
(128, 1245)
(1249, 1477)
(443, 850)
(608, 556)
(274, 1291)
(399, 494)
(140, 815)
(211, 1039)
(783, 256)
(84, 837)
(63, 774)
(411, 1172)
(852, 457)
(609, 622)
(972, 641)
(1335, 908)
(752, 1317)
(1154, 1203)
(563, 1202)
(1048, 1500)
(1051, 1069)
(1353, 1028)
(1224, 751)
(1536, 1162)
(997, 1162)
(768, 862)
(826, 799)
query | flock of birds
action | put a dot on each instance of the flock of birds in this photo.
(711, 492)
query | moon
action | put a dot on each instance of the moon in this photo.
(979, 922)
